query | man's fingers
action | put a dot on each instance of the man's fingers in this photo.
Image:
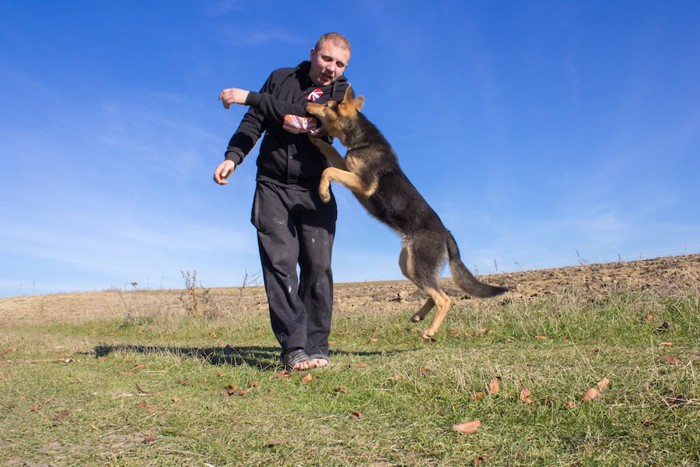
(223, 100)
(223, 171)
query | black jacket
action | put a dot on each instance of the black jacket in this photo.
(285, 158)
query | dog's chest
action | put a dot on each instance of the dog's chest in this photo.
(355, 163)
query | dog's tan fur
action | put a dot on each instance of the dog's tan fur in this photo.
(371, 171)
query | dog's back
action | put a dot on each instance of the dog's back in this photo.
(396, 202)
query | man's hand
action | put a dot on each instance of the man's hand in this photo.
(233, 96)
(223, 171)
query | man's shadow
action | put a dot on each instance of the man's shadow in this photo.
(264, 358)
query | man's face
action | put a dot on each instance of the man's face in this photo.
(328, 63)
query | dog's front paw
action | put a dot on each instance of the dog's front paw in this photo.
(319, 142)
(324, 192)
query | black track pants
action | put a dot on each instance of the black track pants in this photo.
(296, 228)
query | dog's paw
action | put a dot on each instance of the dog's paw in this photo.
(320, 143)
(417, 318)
(324, 191)
(325, 195)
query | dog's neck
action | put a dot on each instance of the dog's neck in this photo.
(359, 145)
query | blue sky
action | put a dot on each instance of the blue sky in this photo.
(544, 133)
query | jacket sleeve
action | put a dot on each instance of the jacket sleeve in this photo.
(273, 109)
(252, 126)
(287, 114)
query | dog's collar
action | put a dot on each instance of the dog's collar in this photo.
(352, 148)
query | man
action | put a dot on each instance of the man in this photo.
(294, 227)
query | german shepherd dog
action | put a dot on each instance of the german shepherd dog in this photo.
(371, 171)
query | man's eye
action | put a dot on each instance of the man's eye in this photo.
(328, 59)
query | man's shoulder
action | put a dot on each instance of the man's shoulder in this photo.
(285, 71)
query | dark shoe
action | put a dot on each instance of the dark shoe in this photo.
(293, 357)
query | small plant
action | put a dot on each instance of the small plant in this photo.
(581, 261)
(196, 301)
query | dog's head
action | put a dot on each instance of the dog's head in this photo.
(336, 117)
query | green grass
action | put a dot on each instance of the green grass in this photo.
(156, 390)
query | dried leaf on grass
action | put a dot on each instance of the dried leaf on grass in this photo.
(594, 393)
(478, 396)
(63, 415)
(232, 390)
(307, 378)
(467, 428)
(143, 392)
(591, 394)
(671, 360)
(147, 407)
(495, 385)
(526, 396)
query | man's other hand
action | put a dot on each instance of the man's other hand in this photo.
(223, 171)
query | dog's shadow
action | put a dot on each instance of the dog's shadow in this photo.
(264, 358)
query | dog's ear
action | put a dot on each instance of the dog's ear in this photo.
(349, 94)
(359, 103)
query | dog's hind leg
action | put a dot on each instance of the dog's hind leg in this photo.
(420, 314)
(420, 261)
(442, 304)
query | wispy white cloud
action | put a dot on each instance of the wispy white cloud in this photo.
(248, 37)
(222, 7)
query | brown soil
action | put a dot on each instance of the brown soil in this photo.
(665, 275)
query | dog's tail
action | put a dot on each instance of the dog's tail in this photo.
(463, 278)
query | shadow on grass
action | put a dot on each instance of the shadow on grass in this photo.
(264, 358)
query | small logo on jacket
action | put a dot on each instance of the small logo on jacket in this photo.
(313, 95)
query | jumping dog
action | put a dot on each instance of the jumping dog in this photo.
(371, 171)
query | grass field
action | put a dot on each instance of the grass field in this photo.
(159, 385)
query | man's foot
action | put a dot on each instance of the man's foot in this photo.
(297, 360)
(319, 360)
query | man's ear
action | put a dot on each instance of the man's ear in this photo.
(359, 103)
